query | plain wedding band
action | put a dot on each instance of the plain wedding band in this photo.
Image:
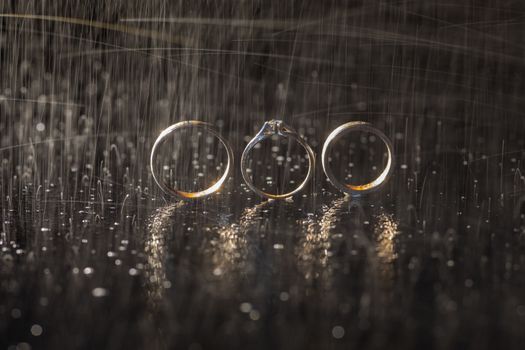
(204, 127)
(335, 135)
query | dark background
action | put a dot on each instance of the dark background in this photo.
(93, 256)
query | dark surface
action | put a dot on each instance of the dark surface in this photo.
(93, 256)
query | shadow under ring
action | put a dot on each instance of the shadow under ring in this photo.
(204, 127)
(270, 128)
(335, 135)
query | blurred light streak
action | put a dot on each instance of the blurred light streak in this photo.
(144, 33)
(314, 248)
(386, 231)
(155, 250)
(231, 246)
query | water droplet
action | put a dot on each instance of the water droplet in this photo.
(254, 315)
(246, 307)
(99, 292)
(338, 332)
(36, 330)
(16, 313)
(40, 127)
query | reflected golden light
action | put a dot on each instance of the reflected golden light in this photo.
(155, 250)
(314, 247)
(386, 230)
(230, 249)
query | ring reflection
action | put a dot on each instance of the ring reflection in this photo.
(386, 231)
(343, 228)
(314, 248)
(230, 249)
(155, 250)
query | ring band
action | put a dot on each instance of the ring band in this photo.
(335, 135)
(270, 128)
(202, 126)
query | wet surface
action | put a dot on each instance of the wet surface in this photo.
(94, 256)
